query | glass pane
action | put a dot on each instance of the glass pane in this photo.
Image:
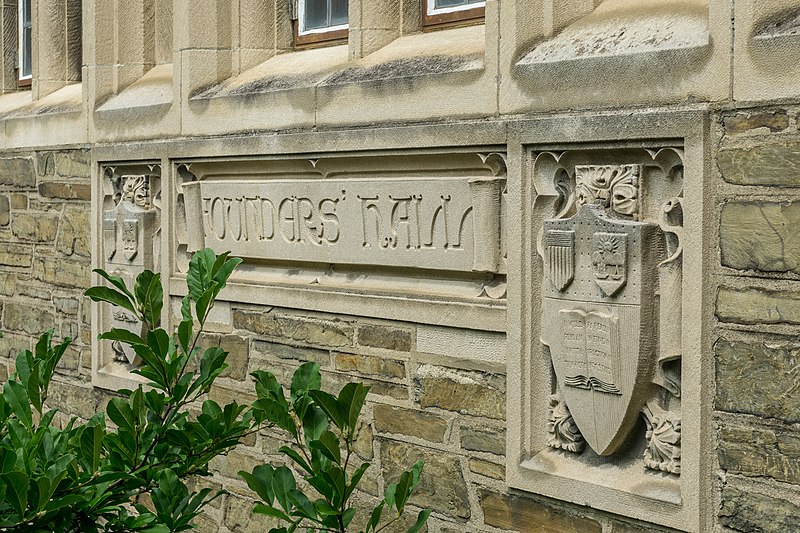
(448, 3)
(26, 52)
(316, 14)
(338, 12)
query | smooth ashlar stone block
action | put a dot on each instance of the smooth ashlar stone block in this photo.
(776, 164)
(756, 378)
(758, 306)
(761, 236)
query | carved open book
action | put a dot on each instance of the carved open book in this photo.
(591, 346)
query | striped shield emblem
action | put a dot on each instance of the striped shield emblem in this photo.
(560, 254)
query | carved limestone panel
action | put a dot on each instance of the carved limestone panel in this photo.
(422, 225)
(604, 410)
(130, 214)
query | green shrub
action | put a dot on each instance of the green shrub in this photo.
(323, 429)
(86, 476)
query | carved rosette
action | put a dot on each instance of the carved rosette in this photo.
(564, 434)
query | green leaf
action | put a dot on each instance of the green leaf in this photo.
(123, 335)
(302, 504)
(422, 517)
(297, 458)
(17, 398)
(92, 445)
(199, 276)
(305, 378)
(315, 422)
(271, 511)
(276, 414)
(267, 386)
(347, 516)
(260, 482)
(375, 517)
(224, 271)
(282, 483)
(116, 281)
(185, 334)
(149, 296)
(355, 478)
(100, 293)
(16, 483)
(328, 444)
(120, 413)
(351, 401)
(328, 403)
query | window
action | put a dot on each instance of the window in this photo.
(438, 12)
(25, 51)
(320, 20)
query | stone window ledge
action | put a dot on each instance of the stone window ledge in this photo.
(153, 90)
(21, 104)
(420, 55)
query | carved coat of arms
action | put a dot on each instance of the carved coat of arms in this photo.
(598, 314)
(128, 230)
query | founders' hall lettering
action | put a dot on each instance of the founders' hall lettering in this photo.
(417, 223)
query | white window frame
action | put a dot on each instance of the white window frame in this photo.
(453, 9)
(301, 17)
(21, 41)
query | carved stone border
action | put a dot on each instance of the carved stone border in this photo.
(537, 421)
(127, 213)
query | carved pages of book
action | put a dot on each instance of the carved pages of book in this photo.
(599, 325)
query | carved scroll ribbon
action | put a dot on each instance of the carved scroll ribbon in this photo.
(193, 202)
(486, 223)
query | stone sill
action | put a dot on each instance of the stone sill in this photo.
(415, 56)
(153, 90)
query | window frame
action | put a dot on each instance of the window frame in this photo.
(24, 80)
(433, 18)
(318, 36)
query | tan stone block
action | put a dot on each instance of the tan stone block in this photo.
(370, 365)
(418, 424)
(15, 255)
(39, 227)
(760, 236)
(442, 486)
(74, 236)
(239, 517)
(387, 337)
(517, 513)
(19, 201)
(484, 440)
(757, 306)
(17, 171)
(27, 318)
(333, 333)
(747, 508)
(5, 211)
(238, 349)
(64, 272)
(74, 399)
(234, 461)
(773, 163)
(11, 344)
(760, 452)
(7, 284)
(283, 351)
(488, 469)
(225, 395)
(65, 190)
(465, 392)
(72, 164)
(743, 122)
(204, 523)
(333, 382)
(753, 376)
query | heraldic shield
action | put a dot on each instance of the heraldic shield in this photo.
(598, 316)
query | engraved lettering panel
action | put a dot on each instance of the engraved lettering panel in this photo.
(443, 224)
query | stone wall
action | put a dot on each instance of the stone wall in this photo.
(757, 405)
(45, 238)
